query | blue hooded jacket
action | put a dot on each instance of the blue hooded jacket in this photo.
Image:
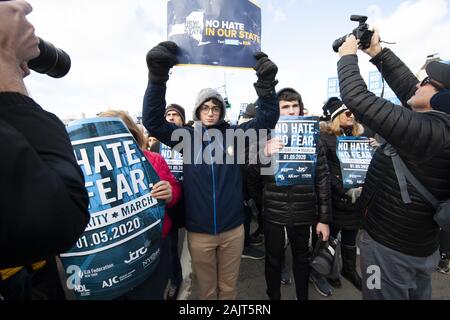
(213, 191)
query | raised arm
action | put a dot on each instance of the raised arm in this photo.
(409, 132)
(160, 60)
(268, 112)
(398, 76)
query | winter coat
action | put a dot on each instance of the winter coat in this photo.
(43, 200)
(162, 169)
(422, 139)
(292, 205)
(346, 215)
(212, 191)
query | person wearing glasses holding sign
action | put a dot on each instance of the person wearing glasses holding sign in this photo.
(212, 183)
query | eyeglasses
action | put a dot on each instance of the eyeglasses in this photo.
(205, 109)
(430, 81)
(348, 113)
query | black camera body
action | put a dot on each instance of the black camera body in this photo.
(361, 32)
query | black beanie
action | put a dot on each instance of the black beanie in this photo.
(250, 111)
(333, 107)
(177, 108)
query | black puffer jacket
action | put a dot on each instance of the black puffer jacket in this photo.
(423, 142)
(346, 215)
(292, 205)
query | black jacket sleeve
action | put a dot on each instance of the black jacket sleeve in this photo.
(43, 201)
(267, 114)
(323, 185)
(254, 184)
(335, 182)
(398, 76)
(418, 135)
(153, 114)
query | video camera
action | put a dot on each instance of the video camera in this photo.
(361, 32)
(51, 61)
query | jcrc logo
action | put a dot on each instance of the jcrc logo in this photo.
(135, 255)
(110, 282)
(302, 169)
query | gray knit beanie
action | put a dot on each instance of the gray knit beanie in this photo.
(206, 95)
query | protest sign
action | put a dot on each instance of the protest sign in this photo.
(355, 155)
(218, 33)
(174, 160)
(121, 245)
(297, 160)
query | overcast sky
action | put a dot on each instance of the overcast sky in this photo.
(108, 40)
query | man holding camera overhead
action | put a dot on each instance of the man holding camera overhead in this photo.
(43, 201)
(399, 244)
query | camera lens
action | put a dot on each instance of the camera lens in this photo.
(51, 61)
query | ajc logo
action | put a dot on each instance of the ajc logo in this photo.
(110, 282)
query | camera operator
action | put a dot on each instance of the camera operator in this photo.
(43, 201)
(400, 238)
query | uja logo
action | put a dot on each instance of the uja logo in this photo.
(136, 255)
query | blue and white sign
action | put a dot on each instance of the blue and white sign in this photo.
(355, 155)
(376, 87)
(218, 32)
(174, 160)
(297, 160)
(121, 245)
(333, 88)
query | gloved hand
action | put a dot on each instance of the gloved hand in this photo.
(354, 193)
(160, 60)
(266, 71)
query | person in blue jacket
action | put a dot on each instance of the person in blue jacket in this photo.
(212, 183)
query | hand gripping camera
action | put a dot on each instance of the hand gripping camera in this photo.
(361, 32)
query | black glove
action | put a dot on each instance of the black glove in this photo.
(266, 71)
(160, 60)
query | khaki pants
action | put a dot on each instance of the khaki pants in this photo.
(215, 262)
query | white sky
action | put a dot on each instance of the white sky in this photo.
(108, 40)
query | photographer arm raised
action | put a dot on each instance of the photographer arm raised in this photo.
(409, 132)
(398, 76)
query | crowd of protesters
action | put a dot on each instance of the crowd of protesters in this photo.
(44, 205)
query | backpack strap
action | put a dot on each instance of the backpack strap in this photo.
(404, 174)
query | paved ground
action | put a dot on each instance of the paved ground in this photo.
(252, 286)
